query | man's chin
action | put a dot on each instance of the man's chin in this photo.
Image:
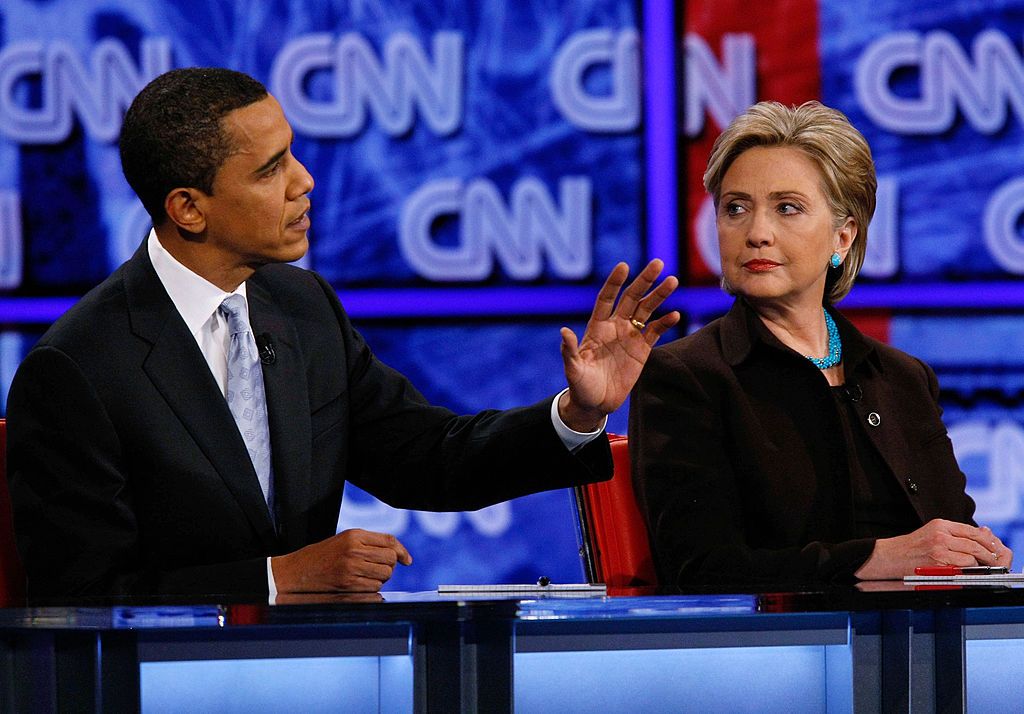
(295, 250)
(291, 253)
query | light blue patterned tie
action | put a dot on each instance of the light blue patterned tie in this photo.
(246, 397)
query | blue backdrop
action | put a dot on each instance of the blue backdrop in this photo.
(486, 145)
(481, 165)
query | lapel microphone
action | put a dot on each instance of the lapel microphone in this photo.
(265, 345)
(851, 392)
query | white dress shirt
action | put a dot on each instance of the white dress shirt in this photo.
(198, 301)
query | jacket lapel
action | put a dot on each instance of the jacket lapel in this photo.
(288, 411)
(877, 408)
(178, 370)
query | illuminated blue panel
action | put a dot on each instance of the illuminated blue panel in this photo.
(321, 684)
(995, 675)
(731, 679)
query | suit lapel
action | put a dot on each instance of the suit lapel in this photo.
(288, 411)
(178, 370)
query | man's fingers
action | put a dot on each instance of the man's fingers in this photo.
(375, 554)
(660, 326)
(383, 540)
(653, 300)
(370, 537)
(570, 344)
(635, 302)
(605, 302)
(638, 288)
(404, 557)
(359, 584)
(372, 570)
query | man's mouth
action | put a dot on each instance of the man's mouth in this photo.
(302, 221)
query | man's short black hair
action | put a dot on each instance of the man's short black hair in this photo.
(172, 135)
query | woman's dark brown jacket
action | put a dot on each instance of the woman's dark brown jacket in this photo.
(739, 459)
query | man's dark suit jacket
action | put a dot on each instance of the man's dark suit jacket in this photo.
(740, 463)
(128, 474)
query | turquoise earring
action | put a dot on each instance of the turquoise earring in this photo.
(835, 260)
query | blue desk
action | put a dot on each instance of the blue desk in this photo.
(893, 650)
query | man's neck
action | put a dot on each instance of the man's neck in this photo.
(196, 255)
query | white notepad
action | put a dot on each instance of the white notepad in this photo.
(525, 588)
(993, 578)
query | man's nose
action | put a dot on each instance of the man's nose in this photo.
(302, 182)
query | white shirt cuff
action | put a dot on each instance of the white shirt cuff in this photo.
(573, 440)
(271, 585)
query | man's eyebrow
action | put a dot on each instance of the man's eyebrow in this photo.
(271, 161)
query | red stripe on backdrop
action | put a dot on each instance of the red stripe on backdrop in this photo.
(873, 323)
(785, 35)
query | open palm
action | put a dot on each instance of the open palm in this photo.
(603, 367)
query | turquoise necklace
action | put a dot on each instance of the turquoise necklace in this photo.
(835, 345)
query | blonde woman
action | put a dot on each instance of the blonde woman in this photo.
(778, 444)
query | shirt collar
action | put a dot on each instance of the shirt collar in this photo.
(195, 297)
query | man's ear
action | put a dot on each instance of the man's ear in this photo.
(184, 209)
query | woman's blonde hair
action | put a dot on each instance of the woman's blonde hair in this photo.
(840, 152)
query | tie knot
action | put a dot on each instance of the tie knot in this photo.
(233, 308)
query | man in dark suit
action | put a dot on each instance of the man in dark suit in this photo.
(157, 446)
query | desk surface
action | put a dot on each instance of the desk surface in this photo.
(399, 607)
(464, 649)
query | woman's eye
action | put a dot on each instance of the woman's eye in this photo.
(733, 209)
(787, 209)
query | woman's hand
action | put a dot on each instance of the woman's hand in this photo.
(938, 542)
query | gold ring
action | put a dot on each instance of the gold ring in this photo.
(638, 324)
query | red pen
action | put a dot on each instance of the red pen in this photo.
(958, 570)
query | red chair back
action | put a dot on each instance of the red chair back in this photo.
(613, 534)
(12, 576)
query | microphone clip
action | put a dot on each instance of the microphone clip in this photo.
(265, 345)
(852, 392)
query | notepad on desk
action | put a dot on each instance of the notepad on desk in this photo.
(524, 589)
(969, 574)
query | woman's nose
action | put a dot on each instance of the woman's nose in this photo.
(761, 231)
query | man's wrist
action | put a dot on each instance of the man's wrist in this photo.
(572, 439)
(582, 421)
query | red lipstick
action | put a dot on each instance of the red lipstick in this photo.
(760, 265)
